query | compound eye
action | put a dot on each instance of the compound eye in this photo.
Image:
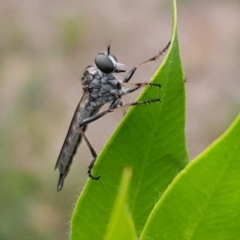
(113, 56)
(104, 63)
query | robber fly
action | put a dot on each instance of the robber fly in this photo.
(100, 85)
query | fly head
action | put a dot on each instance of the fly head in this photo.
(107, 62)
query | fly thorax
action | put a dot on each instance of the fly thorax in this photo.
(89, 75)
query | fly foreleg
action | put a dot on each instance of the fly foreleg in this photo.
(152, 59)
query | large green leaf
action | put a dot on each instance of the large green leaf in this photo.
(203, 202)
(151, 141)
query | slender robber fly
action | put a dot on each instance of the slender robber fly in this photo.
(100, 85)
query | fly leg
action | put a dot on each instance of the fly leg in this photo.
(94, 155)
(101, 114)
(132, 87)
(114, 106)
(154, 58)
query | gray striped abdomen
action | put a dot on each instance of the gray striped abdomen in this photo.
(71, 143)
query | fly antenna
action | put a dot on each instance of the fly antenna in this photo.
(108, 48)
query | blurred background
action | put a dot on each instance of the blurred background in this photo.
(44, 47)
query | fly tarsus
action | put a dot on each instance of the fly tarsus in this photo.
(90, 167)
(93, 177)
(94, 154)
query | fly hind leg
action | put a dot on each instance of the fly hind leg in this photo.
(94, 155)
(99, 115)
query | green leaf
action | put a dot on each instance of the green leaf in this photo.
(151, 141)
(203, 202)
(121, 224)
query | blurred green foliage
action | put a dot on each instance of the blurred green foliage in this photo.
(72, 31)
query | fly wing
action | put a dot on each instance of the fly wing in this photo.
(71, 143)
